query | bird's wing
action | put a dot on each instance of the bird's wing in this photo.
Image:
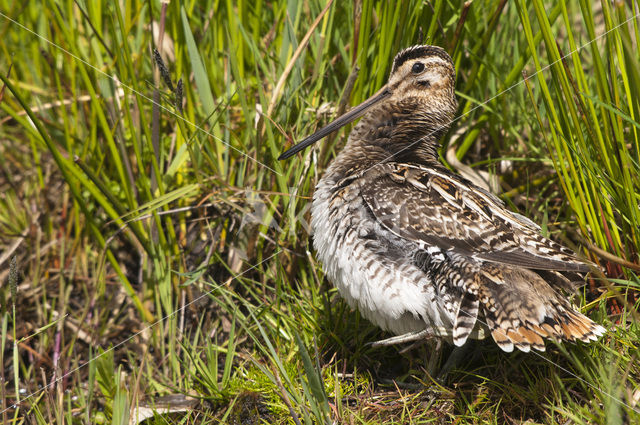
(443, 213)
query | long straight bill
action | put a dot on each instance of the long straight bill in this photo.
(353, 114)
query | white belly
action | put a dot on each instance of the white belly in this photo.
(390, 292)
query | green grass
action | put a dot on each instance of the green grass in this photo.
(163, 250)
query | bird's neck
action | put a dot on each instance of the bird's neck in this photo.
(401, 132)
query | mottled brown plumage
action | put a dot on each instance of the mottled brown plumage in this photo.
(421, 251)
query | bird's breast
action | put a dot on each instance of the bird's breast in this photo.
(373, 269)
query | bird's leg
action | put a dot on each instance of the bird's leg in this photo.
(435, 352)
(457, 354)
(408, 337)
(435, 355)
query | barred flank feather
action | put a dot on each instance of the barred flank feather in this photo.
(465, 319)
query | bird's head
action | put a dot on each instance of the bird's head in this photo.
(424, 75)
(419, 97)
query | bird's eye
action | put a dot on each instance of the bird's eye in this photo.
(417, 68)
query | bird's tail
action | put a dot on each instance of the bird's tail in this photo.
(521, 309)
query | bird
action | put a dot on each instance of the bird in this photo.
(421, 251)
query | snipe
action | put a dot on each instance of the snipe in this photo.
(419, 250)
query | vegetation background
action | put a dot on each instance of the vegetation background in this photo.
(155, 254)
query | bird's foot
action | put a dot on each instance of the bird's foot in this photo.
(408, 337)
